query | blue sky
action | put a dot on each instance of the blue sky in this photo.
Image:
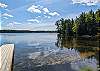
(41, 14)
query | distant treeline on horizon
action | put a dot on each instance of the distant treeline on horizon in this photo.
(25, 31)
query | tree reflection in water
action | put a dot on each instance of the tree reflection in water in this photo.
(87, 46)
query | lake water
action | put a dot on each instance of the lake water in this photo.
(50, 52)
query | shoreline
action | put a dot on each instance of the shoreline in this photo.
(25, 31)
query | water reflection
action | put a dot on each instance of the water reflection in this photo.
(88, 47)
(37, 52)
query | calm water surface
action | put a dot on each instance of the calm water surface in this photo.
(51, 52)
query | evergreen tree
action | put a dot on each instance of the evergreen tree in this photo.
(85, 24)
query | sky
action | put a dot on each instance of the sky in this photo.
(41, 14)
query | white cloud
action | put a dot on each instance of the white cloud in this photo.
(7, 15)
(40, 6)
(50, 13)
(3, 5)
(10, 25)
(47, 16)
(14, 26)
(16, 23)
(7, 9)
(38, 16)
(33, 20)
(13, 23)
(30, 26)
(87, 2)
(34, 9)
(54, 13)
(46, 10)
(46, 27)
(40, 9)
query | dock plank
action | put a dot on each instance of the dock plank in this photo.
(6, 57)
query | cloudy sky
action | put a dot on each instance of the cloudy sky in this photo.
(41, 14)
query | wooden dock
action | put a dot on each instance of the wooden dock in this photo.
(6, 57)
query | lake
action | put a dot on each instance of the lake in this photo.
(52, 52)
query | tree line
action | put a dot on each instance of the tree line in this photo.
(87, 23)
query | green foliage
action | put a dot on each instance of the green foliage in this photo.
(97, 14)
(86, 69)
(85, 24)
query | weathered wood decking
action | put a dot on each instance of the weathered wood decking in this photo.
(6, 57)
